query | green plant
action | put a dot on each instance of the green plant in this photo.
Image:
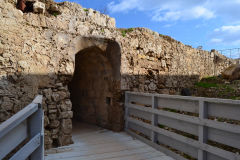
(55, 13)
(129, 29)
(235, 98)
(227, 87)
(161, 126)
(167, 38)
(125, 31)
(206, 85)
(85, 9)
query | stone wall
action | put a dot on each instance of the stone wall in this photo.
(156, 63)
(37, 56)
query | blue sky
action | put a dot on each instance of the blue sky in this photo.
(213, 24)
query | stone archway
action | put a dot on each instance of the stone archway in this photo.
(95, 87)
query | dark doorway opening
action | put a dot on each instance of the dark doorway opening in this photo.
(90, 86)
(95, 86)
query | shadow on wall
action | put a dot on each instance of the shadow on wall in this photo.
(18, 90)
(94, 98)
(158, 83)
(94, 93)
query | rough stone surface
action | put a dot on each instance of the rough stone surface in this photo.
(37, 56)
(66, 126)
(232, 72)
(38, 7)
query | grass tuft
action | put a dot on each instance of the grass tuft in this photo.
(125, 31)
(206, 85)
(55, 13)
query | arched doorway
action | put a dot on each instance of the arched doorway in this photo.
(94, 86)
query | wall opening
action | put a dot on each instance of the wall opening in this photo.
(95, 86)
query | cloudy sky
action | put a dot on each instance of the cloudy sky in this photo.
(213, 24)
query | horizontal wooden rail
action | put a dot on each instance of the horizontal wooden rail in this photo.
(25, 126)
(169, 120)
(190, 119)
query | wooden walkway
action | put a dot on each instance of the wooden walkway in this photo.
(94, 143)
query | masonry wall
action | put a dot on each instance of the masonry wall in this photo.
(37, 56)
(158, 63)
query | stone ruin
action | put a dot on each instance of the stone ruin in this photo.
(82, 64)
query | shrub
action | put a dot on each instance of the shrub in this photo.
(206, 85)
(125, 31)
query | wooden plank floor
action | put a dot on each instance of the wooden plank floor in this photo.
(94, 143)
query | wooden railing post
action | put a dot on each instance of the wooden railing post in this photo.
(36, 126)
(154, 119)
(202, 130)
(126, 111)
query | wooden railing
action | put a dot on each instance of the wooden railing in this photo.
(185, 127)
(22, 136)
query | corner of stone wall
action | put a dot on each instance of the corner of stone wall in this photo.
(57, 115)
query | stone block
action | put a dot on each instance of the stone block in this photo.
(66, 106)
(65, 115)
(66, 126)
(63, 95)
(51, 107)
(111, 23)
(7, 104)
(55, 97)
(54, 136)
(38, 7)
(46, 121)
(4, 115)
(52, 116)
(6, 55)
(232, 72)
(54, 124)
(47, 138)
(152, 86)
(164, 91)
(52, 111)
(47, 93)
(54, 8)
(65, 140)
(23, 64)
(48, 142)
(54, 131)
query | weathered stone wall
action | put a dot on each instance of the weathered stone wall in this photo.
(157, 63)
(37, 56)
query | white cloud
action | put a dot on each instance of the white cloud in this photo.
(199, 12)
(169, 25)
(173, 10)
(123, 6)
(216, 40)
(226, 35)
(229, 29)
(188, 14)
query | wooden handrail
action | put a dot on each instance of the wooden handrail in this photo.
(26, 124)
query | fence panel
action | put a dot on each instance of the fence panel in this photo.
(22, 135)
(185, 127)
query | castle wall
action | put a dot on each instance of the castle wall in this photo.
(158, 63)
